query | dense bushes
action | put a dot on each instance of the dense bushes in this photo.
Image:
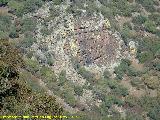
(5, 26)
(147, 4)
(15, 94)
(118, 7)
(147, 49)
(23, 7)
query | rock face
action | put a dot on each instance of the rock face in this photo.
(96, 46)
(93, 43)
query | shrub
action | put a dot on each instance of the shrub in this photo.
(110, 100)
(69, 98)
(3, 2)
(29, 6)
(139, 19)
(106, 74)
(57, 2)
(136, 82)
(145, 56)
(154, 113)
(28, 42)
(120, 90)
(128, 25)
(86, 74)
(150, 26)
(28, 24)
(107, 12)
(131, 100)
(125, 33)
(62, 78)
(5, 21)
(155, 17)
(15, 6)
(151, 81)
(122, 68)
(32, 66)
(132, 71)
(46, 72)
(78, 90)
(3, 35)
(13, 34)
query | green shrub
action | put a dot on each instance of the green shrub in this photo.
(3, 35)
(154, 113)
(46, 72)
(107, 12)
(139, 19)
(150, 26)
(29, 6)
(120, 90)
(62, 78)
(145, 56)
(3, 2)
(132, 72)
(86, 74)
(15, 5)
(106, 74)
(28, 24)
(155, 17)
(131, 100)
(28, 42)
(125, 33)
(122, 68)
(78, 90)
(32, 66)
(57, 2)
(133, 116)
(69, 98)
(110, 100)
(148, 103)
(5, 21)
(127, 25)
